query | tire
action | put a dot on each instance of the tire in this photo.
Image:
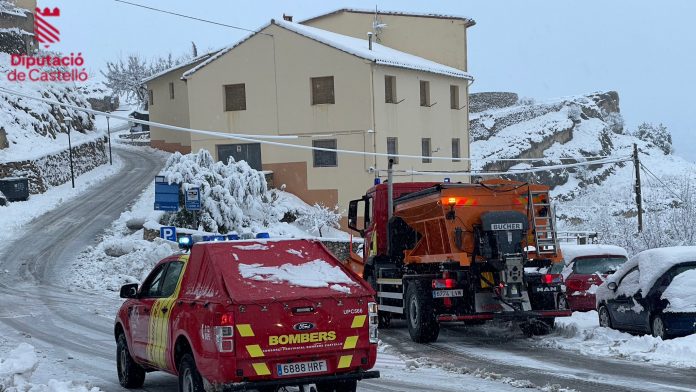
(189, 378)
(657, 328)
(341, 386)
(384, 318)
(420, 314)
(130, 374)
(604, 317)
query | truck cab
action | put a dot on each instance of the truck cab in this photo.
(241, 315)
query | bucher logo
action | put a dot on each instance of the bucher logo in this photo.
(46, 32)
(304, 326)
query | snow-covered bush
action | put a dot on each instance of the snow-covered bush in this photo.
(319, 217)
(234, 197)
(658, 135)
(526, 101)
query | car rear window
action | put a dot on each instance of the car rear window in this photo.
(598, 265)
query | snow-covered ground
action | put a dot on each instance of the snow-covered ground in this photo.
(581, 333)
(18, 366)
(16, 214)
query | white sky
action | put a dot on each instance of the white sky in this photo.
(644, 49)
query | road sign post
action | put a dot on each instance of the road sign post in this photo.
(193, 199)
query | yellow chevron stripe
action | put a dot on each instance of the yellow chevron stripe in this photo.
(351, 342)
(345, 361)
(245, 330)
(254, 350)
(358, 321)
(261, 369)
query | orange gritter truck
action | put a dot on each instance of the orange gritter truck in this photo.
(460, 252)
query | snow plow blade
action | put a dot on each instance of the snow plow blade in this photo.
(508, 316)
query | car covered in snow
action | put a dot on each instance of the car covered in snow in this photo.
(244, 315)
(654, 292)
(586, 267)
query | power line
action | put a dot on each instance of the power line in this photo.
(664, 185)
(188, 16)
(261, 139)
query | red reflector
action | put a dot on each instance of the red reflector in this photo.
(227, 319)
(449, 283)
(548, 278)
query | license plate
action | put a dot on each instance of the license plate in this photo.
(448, 293)
(546, 289)
(289, 369)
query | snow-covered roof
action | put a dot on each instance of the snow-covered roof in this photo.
(182, 65)
(379, 54)
(470, 21)
(572, 251)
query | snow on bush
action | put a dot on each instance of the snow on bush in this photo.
(234, 197)
(681, 293)
(320, 217)
(17, 367)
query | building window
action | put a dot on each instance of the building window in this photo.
(456, 150)
(325, 158)
(323, 90)
(426, 150)
(393, 148)
(390, 89)
(235, 97)
(424, 93)
(454, 97)
(171, 90)
(151, 97)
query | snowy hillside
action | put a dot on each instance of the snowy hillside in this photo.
(596, 197)
(33, 129)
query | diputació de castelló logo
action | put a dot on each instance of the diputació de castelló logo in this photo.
(47, 66)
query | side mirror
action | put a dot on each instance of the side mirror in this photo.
(353, 216)
(129, 290)
(612, 286)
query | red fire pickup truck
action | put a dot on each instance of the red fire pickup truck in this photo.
(245, 315)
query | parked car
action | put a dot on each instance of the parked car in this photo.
(654, 292)
(587, 266)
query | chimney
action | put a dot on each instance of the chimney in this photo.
(287, 17)
(369, 40)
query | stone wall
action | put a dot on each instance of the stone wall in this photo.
(53, 170)
(479, 102)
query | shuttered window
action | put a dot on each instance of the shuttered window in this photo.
(426, 150)
(235, 97)
(322, 90)
(456, 150)
(393, 148)
(454, 97)
(424, 93)
(390, 89)
(325, 158)
(171, 90)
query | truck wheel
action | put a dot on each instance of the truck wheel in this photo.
(420, 314)
(189, 378)
(341, 386)
(130, 374)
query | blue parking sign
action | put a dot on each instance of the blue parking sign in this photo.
(168, 233)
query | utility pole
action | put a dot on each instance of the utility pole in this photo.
(68, 123)
(108, 129)
(639, 198)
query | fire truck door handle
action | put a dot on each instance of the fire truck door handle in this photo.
(164, 310)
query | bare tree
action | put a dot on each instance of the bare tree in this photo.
(124, 77)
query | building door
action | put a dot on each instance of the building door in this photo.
(249, 152)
